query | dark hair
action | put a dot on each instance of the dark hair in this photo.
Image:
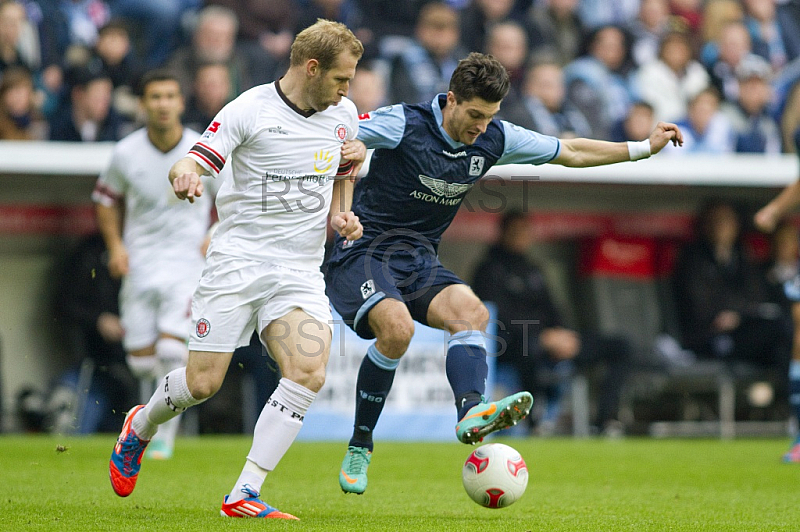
(115, 25)
(509, 217)
(479, 75)
(158, 74)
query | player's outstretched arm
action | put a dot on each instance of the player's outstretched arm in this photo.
(582, 153)
(767, 218)
(185, 178)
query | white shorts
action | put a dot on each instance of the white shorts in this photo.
(238, 296)
(157, 302)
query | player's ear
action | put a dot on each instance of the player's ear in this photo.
(312, 68)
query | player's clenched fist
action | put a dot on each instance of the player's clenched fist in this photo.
(347, 225)
(188, 186)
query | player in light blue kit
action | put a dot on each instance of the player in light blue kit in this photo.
(427, 157)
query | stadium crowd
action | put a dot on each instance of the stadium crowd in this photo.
(725, 70)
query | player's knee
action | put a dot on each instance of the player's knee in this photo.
(203, 386)
(480, 317)
(471, 316)
(311, 377)
(395, 337)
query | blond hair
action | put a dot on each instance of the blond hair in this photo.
(324, 41)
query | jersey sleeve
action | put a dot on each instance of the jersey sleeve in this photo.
(227, 131)
(524, 146)
(111, 185)
(382, 128)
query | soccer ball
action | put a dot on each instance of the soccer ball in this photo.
(495, 475)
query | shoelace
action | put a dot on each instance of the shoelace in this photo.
(358, 461)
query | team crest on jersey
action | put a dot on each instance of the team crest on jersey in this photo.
(441, 187)
(202, 328)
(476, 165)
(211, 130)
(341, 132)
(367, 289)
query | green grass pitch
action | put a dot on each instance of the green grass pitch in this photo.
(61, 483)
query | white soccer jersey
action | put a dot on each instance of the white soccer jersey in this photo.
(274, 206)
(158, 227)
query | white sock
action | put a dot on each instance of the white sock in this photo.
(276, 429)
(252, 476)
(170, 399)
(171, 354)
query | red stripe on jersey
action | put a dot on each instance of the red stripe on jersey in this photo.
(103, 189)
(344, 168)
(212, 150)
(213, 167)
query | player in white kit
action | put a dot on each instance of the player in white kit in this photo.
(285, 143)
(157, 249)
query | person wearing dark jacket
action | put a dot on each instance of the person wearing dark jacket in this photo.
(86, 306)
(539, 348)
(722, 298)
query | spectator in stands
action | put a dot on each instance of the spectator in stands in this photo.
(768, 33)
(648, 30)
(114, 51)
(368, 89)
(388, 26)
(88, 116)
(689, 13)
(597, 82)
(598, 13)
(479, 17)
(733, 46)
(69, 23)
(508, 43)
(210, 92)
(161, 21)
(540, 350)
(266, 31)
(213, 40)
(345, 11)
(12, 24)
(637, 125)
(18, 117)
(669, 82)
(721, 297)
(717, 15)
(88, 314)
(705, 129)
(754, 128)
(423, 69)
(543, 107)
(556, 30)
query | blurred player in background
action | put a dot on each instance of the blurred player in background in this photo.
(156, 249)
(427, 157)
(767, 220)
(283, 142)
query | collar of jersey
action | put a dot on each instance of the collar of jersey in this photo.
(437, 113)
